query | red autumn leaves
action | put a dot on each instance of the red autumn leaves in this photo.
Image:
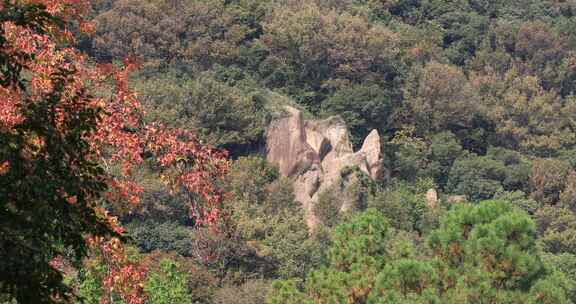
(120, 140)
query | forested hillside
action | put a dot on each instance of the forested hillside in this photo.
(136, 166)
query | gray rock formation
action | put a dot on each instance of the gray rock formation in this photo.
(313, 153)
(454, 199)
(432, 198)
(287, 147)
(371, 149)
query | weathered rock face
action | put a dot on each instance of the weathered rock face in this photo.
(454, 199)
(371, 149)
(432, 198)
(313, 154)
(287, 146)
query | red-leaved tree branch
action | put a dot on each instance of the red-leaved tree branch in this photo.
(67, 147)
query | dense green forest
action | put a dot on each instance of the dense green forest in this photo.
(475, 104)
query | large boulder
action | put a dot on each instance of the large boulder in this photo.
(313, 154)
(371, 150)
(432, 198)
(455, 199)
(286, 144)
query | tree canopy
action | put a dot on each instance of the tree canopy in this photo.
(133, 153)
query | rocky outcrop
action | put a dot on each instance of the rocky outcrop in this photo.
(287, 147)
(371, 149)
(313, 154)
(455, 199)
(431, 198)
